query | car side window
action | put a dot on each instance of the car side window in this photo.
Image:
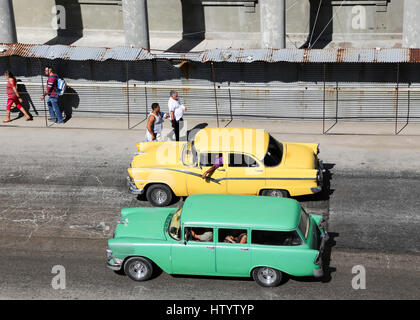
(276, 238)
(241, 160)
(198, 234)
(209, 159)
(239, 236)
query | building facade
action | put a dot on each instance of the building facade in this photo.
(185, 25)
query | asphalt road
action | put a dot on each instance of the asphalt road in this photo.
(61, 192)
(26, 273)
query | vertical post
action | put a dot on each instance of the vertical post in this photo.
(7, 22)
(136, 23)
(128, 96)
(273, 23)
(43, 90)
(408, 103)
(323, 106)
(336, 103)
(215, 92)
(145, 106)
(397, 98)
(230, 105)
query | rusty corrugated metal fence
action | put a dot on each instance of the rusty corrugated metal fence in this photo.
(259, 90)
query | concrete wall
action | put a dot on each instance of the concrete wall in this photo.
(101, 22)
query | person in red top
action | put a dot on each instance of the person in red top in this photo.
(13, 97)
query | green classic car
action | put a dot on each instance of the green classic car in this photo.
(220, 235)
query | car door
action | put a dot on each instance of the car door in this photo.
(245, 175)
(232, 259)
(214, 183)
(192, 256)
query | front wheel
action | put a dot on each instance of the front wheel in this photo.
(138, 269)
(267, 277)
(159, 195)
(275, 193)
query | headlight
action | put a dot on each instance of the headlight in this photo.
(108, 254)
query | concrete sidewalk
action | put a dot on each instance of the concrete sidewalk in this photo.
(273, 126)
(351, 147)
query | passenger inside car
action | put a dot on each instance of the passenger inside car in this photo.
(232, 236)
(200, 234)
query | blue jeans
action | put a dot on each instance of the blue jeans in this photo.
(55, 112)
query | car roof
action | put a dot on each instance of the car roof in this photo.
(241, 140)
(266, 213)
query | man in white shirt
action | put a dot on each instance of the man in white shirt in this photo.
(176, 112)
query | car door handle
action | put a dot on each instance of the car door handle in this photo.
(211, 248)
(244, 249)
(222, 169)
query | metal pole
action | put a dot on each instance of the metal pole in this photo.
(43, 90)
(336, 103)
(397, 96)
(128, 97)
(408, 106)
(323, 106)
(215, 92)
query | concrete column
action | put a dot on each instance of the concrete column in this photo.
(7, 22)
(136, 24)
(273, 23)
(411, 27)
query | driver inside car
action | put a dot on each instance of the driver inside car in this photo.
(207, 236)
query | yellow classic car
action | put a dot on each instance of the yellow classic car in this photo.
(225, 161)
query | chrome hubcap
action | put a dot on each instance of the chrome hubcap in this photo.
(267, 275)
(276, 193)
(138, 270)
(159, 196)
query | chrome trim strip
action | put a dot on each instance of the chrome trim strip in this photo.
(229, 178)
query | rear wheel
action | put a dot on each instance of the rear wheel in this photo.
(267, 277)
(159, 195)
(275, 193)
(138, 269)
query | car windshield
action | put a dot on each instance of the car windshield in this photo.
(274, 153)
(189, 155)
(174, 228)
(304, 224)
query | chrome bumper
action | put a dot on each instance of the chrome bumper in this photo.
(319, 178)
(114, 267)
(318, 273)
(132, 188)
(109, 264)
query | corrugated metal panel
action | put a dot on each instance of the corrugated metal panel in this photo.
(257, 90)
(379, 55)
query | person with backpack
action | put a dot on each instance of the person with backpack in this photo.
(53, 92)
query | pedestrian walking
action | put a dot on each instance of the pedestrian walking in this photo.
(51, 91)
(13, 97)
(155, 124)
(176, 111)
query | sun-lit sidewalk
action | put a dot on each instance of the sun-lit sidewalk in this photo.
(273, 126)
